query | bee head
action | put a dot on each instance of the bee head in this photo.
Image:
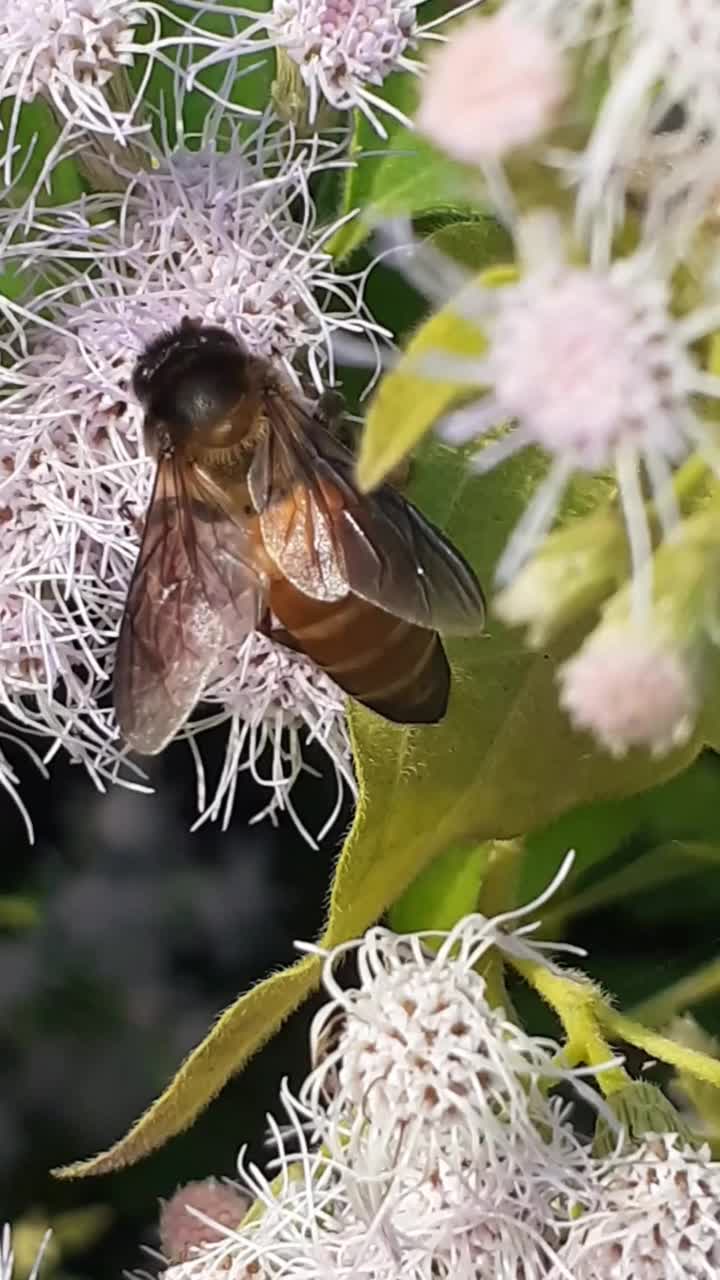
(190, 378)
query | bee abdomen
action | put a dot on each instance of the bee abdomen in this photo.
(393, 667)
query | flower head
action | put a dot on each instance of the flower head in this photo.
(656, 1216)
(494, 86)
(63, 46)
(72, 53)
(631, 687)
(344, 46)
(276, 703)
(592, 366)
(344, 49)
(415, 1061)
(424, 1142)
(432, 1105)
(202, 235)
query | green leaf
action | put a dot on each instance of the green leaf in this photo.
(659, 866)
(505, 760)
(683, 809)
(477, 244)
(593, 831)
(443, 893)
(406, 405)
(403, 175)
(239, 1033)
(710, 709)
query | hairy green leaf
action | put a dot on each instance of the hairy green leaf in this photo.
(239, 1033)
(478, 244)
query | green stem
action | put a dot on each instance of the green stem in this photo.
(697, 1064)
(576, 1005)
(679, 996)
(498, 892)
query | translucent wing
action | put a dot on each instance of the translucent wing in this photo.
(194, 590)
(328, 539)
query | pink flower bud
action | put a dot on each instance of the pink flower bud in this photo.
(495, 85)
(196, 1214)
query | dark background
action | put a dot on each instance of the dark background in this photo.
(132, 934)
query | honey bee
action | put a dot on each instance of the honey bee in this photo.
(254, 517)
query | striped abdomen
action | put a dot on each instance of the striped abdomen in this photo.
(394, 668)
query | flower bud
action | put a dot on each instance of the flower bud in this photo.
(629, 687)
(494, 86)
(638, 679)
(655, 1215)
(698, 1099)
(640, 1109)
(187, 1218)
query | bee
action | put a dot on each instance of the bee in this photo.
(255, 521)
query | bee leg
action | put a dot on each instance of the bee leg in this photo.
(330, 413)
(130, 519)
(265, 624)
(330, 410)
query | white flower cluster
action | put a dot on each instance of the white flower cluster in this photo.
(224, 236)
(506, 80)
(426, 1142)
(91, 61)
(155, 221)
(602, 352)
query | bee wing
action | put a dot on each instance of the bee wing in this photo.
(329, 539)
(192, 592)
